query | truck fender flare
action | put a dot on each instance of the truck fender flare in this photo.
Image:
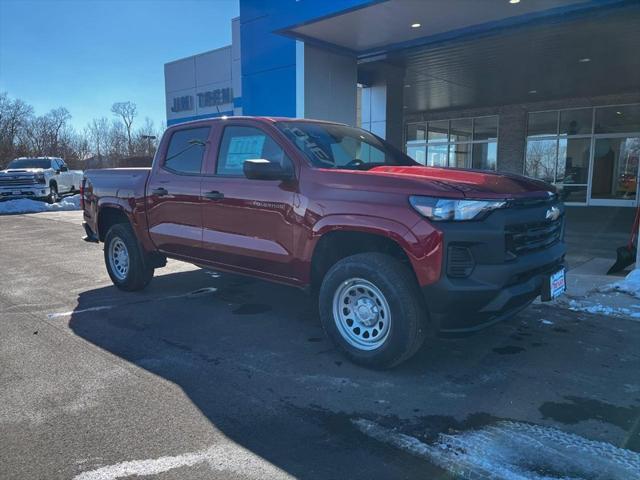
(385, 227)
(402, 235)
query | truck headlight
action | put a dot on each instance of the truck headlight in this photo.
(444, 209)
(40, 178)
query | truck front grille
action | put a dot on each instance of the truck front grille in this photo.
(13, 181)
(531, 237)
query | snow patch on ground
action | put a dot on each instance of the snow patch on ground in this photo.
(25, 205)
(227, 460)
(598, 308)
(630, 284)
(515, 451)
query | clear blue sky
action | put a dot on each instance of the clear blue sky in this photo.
(86, 54)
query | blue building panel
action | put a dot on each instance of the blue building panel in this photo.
(269, 58)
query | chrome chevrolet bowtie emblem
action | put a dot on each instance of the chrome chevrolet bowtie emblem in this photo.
(553, 213)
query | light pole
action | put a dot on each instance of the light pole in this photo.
(148, 138)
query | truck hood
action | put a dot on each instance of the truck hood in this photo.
(477, 184)
(14, 171)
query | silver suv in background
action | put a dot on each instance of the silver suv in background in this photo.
(43, 178)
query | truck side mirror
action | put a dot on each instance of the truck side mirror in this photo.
(64, 168)
(261, 169)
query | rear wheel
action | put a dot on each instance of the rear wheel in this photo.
(126, 263)
(371, 307)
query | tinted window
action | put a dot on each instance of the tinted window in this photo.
(576, 122)
(186, 150)
(485, 128)
(247, 143)
(618, 119)
(438, 131)
(460, 130)
(416, 132)
(542, 123)
(30, 163)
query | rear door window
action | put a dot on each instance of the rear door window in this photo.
(185, 153)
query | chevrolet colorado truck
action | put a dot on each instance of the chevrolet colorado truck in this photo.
(43, 178)
(395, 251)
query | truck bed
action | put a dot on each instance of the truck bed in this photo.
(118, 182)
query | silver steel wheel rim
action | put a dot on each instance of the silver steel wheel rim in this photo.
(362, 314)
(119, 258)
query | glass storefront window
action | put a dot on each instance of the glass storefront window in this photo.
(459, 142)
(437, 155)
(485, 128)
(541, 159)
(592, 157)
(416, 132)
(542, 124)
(621, 119)
(573, 160)
(461, 130)
(615, 168)
(418, 153)
(572, 193)
(438, 131)
(459, 155)
(485, 155)
(576, 122)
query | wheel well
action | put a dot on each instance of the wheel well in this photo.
(336, 245)
(107, 217)
(53, 182)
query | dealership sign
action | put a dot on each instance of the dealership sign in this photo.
(210, 98)
(182, 104)
(214, 98)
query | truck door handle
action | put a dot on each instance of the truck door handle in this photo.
(160, 192)
(213, 195)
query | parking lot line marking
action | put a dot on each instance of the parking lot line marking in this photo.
(515, 451)
(223, 457)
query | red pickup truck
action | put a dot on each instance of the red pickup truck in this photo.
(395, 251)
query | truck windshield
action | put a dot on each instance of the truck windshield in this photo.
(329, 145)
(30, 163)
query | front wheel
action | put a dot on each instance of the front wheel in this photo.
(126, 263)
(53, 194)
(371, 307)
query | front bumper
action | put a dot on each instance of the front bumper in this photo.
(500, 283)
(34, 191)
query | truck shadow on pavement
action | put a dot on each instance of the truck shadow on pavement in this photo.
(252, 357)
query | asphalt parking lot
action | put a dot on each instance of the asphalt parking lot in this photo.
(209, 375)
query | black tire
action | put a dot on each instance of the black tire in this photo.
(139, 273)
(408, 316)
(53, 193)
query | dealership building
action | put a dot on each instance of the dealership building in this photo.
(545, 88)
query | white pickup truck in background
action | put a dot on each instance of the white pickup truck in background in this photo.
(43, 178)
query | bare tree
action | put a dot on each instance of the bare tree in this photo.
(127, 111)
(57, 120)
(24, 134)
(14, 114)
(117, 141)
(146, 138)
(98, 134)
